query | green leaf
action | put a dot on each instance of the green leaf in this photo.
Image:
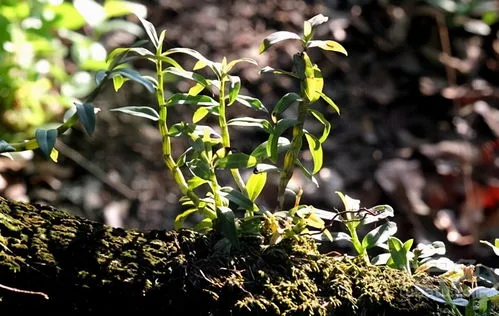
(151, 31)
(231, 64)
(327, 126)
(236, 161)
(398, 253)
(202, 111)
(185, 98)
(255, 184)
(66, 16)
(5, 147)
(46, 140)
(86, 115)
(315, 147)
(313, 82)
(118, 81)
(197, 55)
(379, 235)
(380, 212)
(330, 102)
(196, 89)
(200, 168)
(180, 218)
(251, 122)
(494, 247)
(140, 111)
(188, 75)
(329, 46)
(307, 30)
(281, 126)
(225, 224)
(234, 88)
(115, 8)
(238, 198)
(283, 103)
(260, 152)
(251, 102)
(276, 38)
(306, 173)
(195, 182)
(277, 71)
(100, 76)
(135, 76)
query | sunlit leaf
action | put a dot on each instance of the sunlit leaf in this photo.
(234, 87)
(251, 102)
(115, 8)
(327, 126)
(329, 46)
(86, 115)
(135, 76)
(267, 69)
(150, 30)
(54, 155)
(494, 247)
(264, 168)
(379, 235)
(307, 30)
(46, 140)
(330, 102)
(140, 111)
(202, 111)
(315, 147)
(313, 82)
(188, 75)
(276, 38)
(238, 198)
(180, 218)
(287, 100)
(250, 122)
(260, 152)
(185, 98)
(317, 20)
(236, 161)
(255, 184)
(231, 64)
(118, 82)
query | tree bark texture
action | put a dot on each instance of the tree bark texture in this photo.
(87, 267)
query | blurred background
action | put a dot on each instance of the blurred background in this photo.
(418, 92)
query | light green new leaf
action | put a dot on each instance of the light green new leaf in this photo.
(118, 82)
(251, 102)
(151, 31)
(313, 83)
(330, 102)
(196, 89)
(86, 115)
(234, 87)
(46, 140)
(255, 184)
(307, 31)
(286, 101)
(329, 46)
(276, 38)
(379, 235)
(236, 161)
(140, 111)
(315, 147)
(202, 111)
(180, 218)
(327, 126)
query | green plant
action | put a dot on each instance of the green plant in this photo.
(40, 40)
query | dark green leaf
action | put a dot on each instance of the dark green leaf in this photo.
(255, 184)
(86, 115)
(151, 31)
(379, 235)
(225, 224)
(276, 38)
(236, 161)
(260, 152)
(140, 111)
(281, 126)
(5, 147)
(200, 168)
(185, 98)
(234, 87)
(188, 75)
(327, 126)
(251, 102)
(99, 76)
(238, 198)
(46, 140)
(133, 75)
(315, 147)
(287, 100)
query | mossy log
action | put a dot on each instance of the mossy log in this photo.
(84, 266)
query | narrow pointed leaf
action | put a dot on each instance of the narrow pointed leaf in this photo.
(315, 147)
(46, 140)
(251, 102)
(196, 89)
(185, 98)
(281, 126)
(86, 115)
(276, 38)
(99, 76)
(151, 31)
(180, 218)
(238, 198)
(5, 147)
(264, 168)
(135, 76)
(327, 126)
(260, 152)
(329, 46)
(234, 88)
(236, 161)
(231, 64)
(267, 69)
(200, 168)
(118, 82)
(199, 65)
(306, 173)
(255, 184)
(250, 122)
(188, 75)
(140, 111)
(161, 39)
(286, 101)
(330, 102)
(313, 82)
(202, 111)
(225, 224)
(318, 20)
(307, 30)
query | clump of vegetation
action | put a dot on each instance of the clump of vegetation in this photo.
(199, 171)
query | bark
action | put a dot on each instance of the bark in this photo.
(84, 266)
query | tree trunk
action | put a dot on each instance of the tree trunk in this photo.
(84, 266)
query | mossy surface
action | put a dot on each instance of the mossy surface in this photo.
(87, 267)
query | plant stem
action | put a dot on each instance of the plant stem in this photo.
(357, 244)
(222, 120)
(292, 153)
(165, 138)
